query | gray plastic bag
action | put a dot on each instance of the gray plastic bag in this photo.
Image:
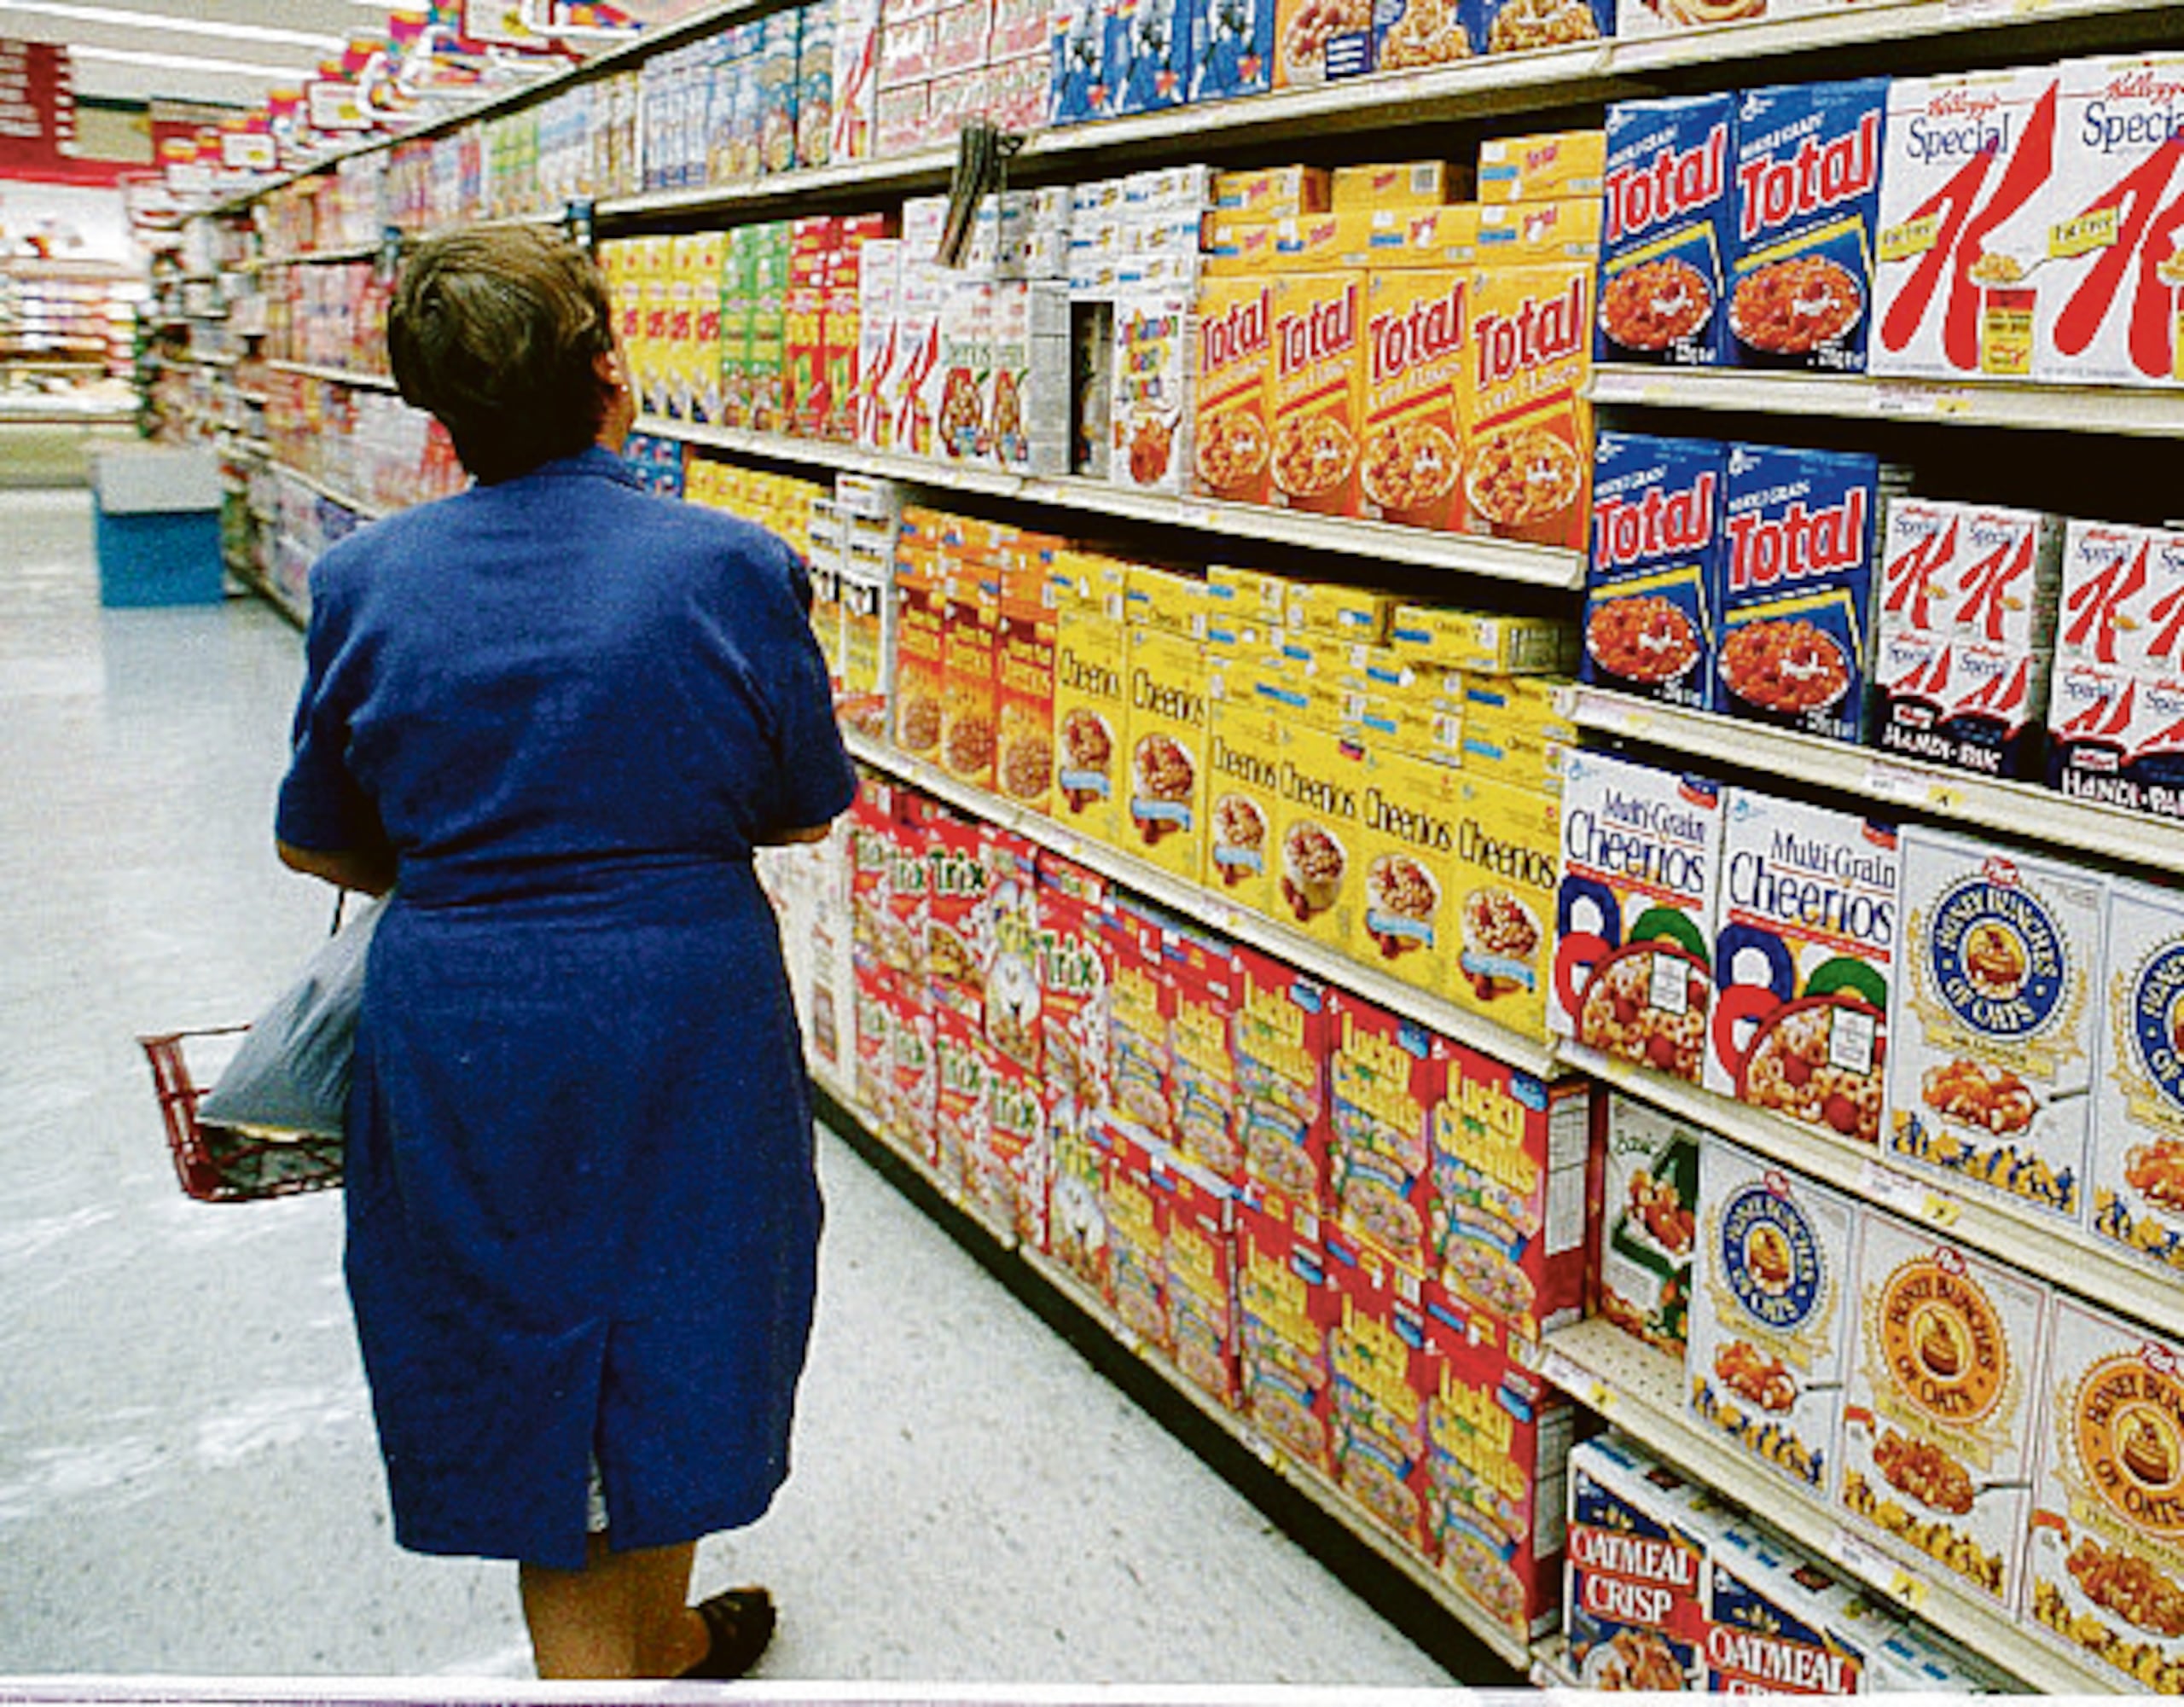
(291, 1075)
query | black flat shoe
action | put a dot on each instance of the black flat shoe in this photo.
(740, 1623)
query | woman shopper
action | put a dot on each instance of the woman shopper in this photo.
(556, 716)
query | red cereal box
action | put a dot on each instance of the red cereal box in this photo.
(1280, 1045)
(1199, 1258)
(957, 888)
(2117, 737)
(913, 1091)
(1959, 703)
(1137, 1266)
(1207, 977)
(1384, 1073)
(1377, 1355)
(1074, 983)
(1007, 1176)
(1008, 945)
(1282, 1308)
(1140, 1002)
(960, 1061)
(920, 626)
(872, 1077)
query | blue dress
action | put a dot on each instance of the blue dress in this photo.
(582, 1215)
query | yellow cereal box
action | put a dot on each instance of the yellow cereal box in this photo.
(1273, 192)
(1411, 462)
(1531, 233)
(1089, 582)
(1435, 237)
(1406, 853)
(1255, 595)
(1232, 442)
(1528, 429)
(1318, 382)
(968, 644)
(1091, 703)
(1404, 183)
(1244, 757)
(1507, 843)
(1170, 600)
(1318, 810)
(1236, 245)
(921, 650)
(1536, 168)
(1163, 781)
(1024, 697)
(1330, 242)
(1490, 642)
(1332, 610)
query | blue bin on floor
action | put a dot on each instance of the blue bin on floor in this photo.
(156, 521)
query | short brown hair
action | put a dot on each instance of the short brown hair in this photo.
(496, 331)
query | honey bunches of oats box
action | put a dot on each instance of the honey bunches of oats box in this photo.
(2137, 1168)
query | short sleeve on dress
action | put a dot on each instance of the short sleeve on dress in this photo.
(322, 807)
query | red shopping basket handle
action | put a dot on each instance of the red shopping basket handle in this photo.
(218, 1163)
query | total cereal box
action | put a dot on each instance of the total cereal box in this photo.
(1669, 231)
(1528, 444)
(1411, 460)
(1657, 540)
(1232, 438)
(1318, 388)
(1164, 782)
(2105, 1562)
(2137, 1169)
(1967, 166)
(1938, 1418)
(1633, 974)
(1280, 1048)
(1282, 1306)
(1640, 1539)
(1772, 1310)
(1648, 1193)
(1804, 935)
(1997, 978)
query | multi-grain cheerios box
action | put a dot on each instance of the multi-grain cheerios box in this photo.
(1282, 1306)
(1232, 438)
(1649, 1225)
(1163, 781)
(1640, 1540)
(1377, 1353)
(1773, 1311)
(1997, 981)
(1967, 164)
(1502, 877)
(1317, 388)
(1091, 716)
(1633, 970)
(1657, 535)
(2136, 1173)
(1385, 1074)
(1528, 428)
(2104, 1560)
(1670, 231)
(1939, 1418)
(1412, 456)
(1805, 934)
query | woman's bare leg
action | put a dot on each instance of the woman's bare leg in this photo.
(624, 1615)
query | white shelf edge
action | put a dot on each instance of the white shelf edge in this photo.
(333, 494)
(1639, 1391)
(2024, 810)
(1214, 911)
(340, 376)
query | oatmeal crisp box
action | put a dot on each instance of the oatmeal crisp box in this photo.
(1633, 969)
(1997, 981)
(1317, 389)
(2137, 1168)
(1656, 537)
(1385, 1074)
(1773, 1311)
(1283, 1301)
(1162, 777)
(1232, 438)
(1280, 1048)
(1091, 706)
(1803, 936)
(1670, 207)
(1781, 1622)
(1639, 1543)
(1939, 1418)
(1528, 429)
(1647, 1173)
(2105, 1561)
(1411, 460)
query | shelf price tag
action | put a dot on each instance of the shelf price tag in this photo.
(1559, 1370)
(1905, 787)
(1868, 1561)
(1908, 1197)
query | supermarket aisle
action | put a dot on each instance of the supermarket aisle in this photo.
(188, 1481)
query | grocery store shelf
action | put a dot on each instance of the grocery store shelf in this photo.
(340, 376)
(1640, 1390)
(333, 494)
(2021, 1237)
(2052, 408)
(1214, 911)
(2024, 810)
(1458, 553)
(2056, 24)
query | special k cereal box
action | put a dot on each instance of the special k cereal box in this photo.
(1808, 174)
(1385, 1074)
(1640, 1540)
(1283, 1303)
(1377, 1350)
(1971, 572)
(1503, 876)
(1412, 457)
(1163, 781)
(1773, 1311)
(2106, 1556)
(2123, 599)
(1232, 441)
(1968, 169)
(1633, 952)
(1997, 977)
(1091, 710)
(2106, 310)
(1317, 387)
(1670, 233)
(1648, 1192)
(1280, 1046)
(1805, 934)
(1656, 539)
(2137, 1169)
(1528, 443)
(1959, 703)
(1939, 1418)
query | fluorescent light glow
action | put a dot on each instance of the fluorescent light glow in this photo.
(168, 23)
(226, 67)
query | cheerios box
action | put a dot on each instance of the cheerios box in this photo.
(1670, 209)
(2136, 1173)
(1528, 426)
(1996, 985)
(1091, 702)
(1408, 837)
(1639, 1542)
(1647, 1188)
(1241, 857)
(1232, 437)
(1649, 582)
(1804, 935)
(1633, 957)
(1940, 1416)
(1377, 1354)
(1516, 27)
(2104, 1560)
(1503, 876)
(1385, 1074)
(1412, 454)
(1319, 878)
(1317, 388)
(1283, 1301)
(1808, 202)
(1773, 1309)
(1163, 778)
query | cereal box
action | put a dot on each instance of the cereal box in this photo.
(1997, 973)
(1669, 231)
(1965, 210)
(1199, 1257)
(1006, 1177)
(1642, 18)
(1318, 377)
(973, 631)
(2106, 313)
(1070, 952)
(1515, 27)
(1657, 541)
(1633, 914)
(1538, 168)
(1232, 49)
(2117, 737)
(1150, 412)
(1411, 460)
(1971, 572)
(1963, 704)
(1938, 1420)
(1508, 1152)
(1807, 178)
(1232, 439)
(958, 919)
(1317, 812)
(1413, 817)
(1395, 184)
(1503, 879)
(1494, 643)
(1280, 1045)
(2105, 1562)
(1794, 600)
(1141, 1002)
(2138, 1113)
(1208, 981)
(1024, 697)
(1779, 1623)
(1377, 1349)
(913, 1089)
(2123, 598)
(920, 630)
(1131, 1194)
(1091, 706)
(1164, 783)
(1384, 1075)
(1077, 1219)
(1415, 35)
(1283, 1303)
(1273, 192)
(1640, 1540)
(1648, 1221)
(1148, 55)
(1804, 932)
(961, 1064)
(1773, 1311)
(1528, 455)
(1244, 742)
(1317, 41)
(1007, 949)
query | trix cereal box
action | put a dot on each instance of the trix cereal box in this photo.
(1803, 937)
(1665, 250)
(1772, 1311)
(1807, 176)
(1634, 917)
(1997, 974)
(1641, 1536)
(1648, 1195)
(2138, 1113)
(1968, 162)
(1649, 620)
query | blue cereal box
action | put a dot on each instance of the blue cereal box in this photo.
(1149, 53)
(1808, 193)
(1794, 600)
(1657, 508)
(1668, 232)
(1516, 27)
(1232, 48)
(1078, 41)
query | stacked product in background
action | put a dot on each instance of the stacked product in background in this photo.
(936, 64)
(752, 98)
(2115, 712)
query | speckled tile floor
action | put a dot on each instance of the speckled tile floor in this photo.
(188, 1483)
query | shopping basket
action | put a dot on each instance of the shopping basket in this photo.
(228, 1163)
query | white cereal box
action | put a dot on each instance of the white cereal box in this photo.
(2121, 599)
(1968, 162)
(1997, 980)
(1802, 941)
(1633, 972)
(2105, 1562)
(1971, 572)
(2107, 313)
(2117, 737)
(2137, 1171)
(1648, 1222)
(1773, 1311)
(1150, 391)
(1938, 1420)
